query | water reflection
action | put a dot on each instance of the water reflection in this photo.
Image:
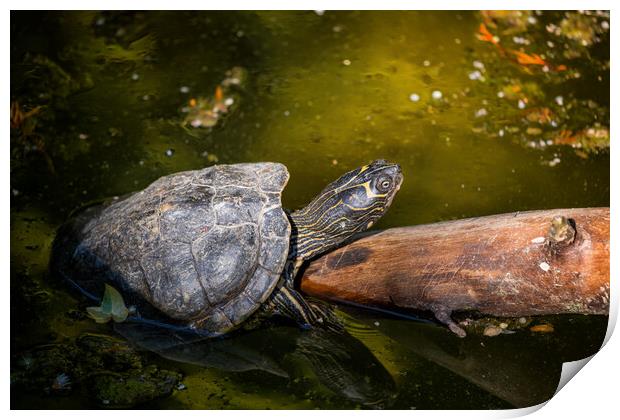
(522, 368)
(340, 362)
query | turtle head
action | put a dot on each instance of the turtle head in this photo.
(351, 204)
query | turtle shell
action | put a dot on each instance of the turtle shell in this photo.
(203, 247)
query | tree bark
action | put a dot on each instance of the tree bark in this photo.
(518, 264)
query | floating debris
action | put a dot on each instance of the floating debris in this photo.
(544, 266)
(414, 97)
(542, 328)
(520, 40)
(541, 115)
(437, 95)
(61, 383)
(492, 331)
(169, 152)
(203, 112)
(476, 75)
(346, 62)
(520, 57)
(112, 307)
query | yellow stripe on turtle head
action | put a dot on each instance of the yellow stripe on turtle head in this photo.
(369, 192)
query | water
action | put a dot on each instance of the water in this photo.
(476, 130)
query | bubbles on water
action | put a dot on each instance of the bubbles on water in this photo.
(520, 40)
(414, 97)
(476, 75)
(437, 95)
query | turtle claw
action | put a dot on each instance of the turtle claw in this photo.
(443, 316)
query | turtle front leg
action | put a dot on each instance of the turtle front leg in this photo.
(290, 303)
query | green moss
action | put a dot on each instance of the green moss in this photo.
(131, 389)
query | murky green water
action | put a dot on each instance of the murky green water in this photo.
(479, 126)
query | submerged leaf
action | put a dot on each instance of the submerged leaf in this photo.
(96, 313)
(485, 35)
(112, 307)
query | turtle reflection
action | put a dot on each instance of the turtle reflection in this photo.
(340, 362)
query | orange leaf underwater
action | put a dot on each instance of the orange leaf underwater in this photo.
(485, 35)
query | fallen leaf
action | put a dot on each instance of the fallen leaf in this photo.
(486, 36)
(219, 94)
(112, 307)
(528, 59)
(542, 328)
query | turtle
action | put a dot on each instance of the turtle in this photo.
(207, 249)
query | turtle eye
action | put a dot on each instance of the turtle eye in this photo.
(384, 184)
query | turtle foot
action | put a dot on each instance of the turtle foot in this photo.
(443, 316)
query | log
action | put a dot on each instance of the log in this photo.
(510, 265)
